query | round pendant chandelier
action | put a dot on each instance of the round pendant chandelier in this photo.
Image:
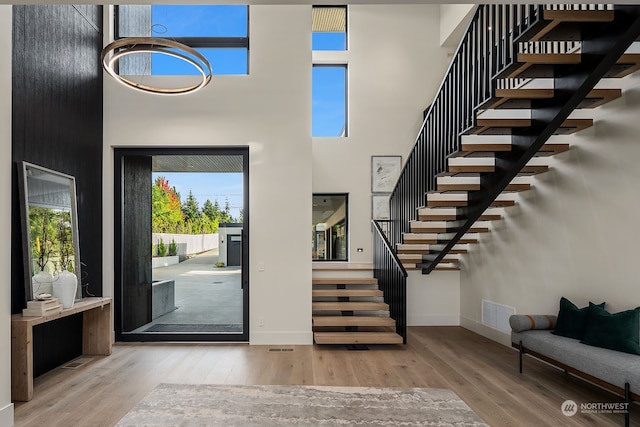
(112, 53)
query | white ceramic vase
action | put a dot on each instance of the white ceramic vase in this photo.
(64, 288)
(41, 283)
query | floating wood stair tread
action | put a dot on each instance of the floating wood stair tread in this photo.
(357, 338)
(598, 97)
(570, 126)
(417, 258)
(450, 214)
(349, 305)
(627, 64)
(471, 164)
(534, 169)
(441, 227)
(513, 98)
(432, 238)
(470, 146)
(347, 293)
(320, 321)
(555, 22)
(345, 281)
(403, 248)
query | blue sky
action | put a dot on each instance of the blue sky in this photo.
(210, 186)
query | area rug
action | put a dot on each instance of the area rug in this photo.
(264, 406)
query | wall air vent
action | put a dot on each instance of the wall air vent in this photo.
(497, 315)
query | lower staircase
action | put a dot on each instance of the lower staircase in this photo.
(349, 308)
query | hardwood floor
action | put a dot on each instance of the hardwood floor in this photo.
(483, 373)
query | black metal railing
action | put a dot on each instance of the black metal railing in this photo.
(486, 49)
(484, 57)
(392, 277)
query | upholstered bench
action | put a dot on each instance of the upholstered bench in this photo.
(614, 370)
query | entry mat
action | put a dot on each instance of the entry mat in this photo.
(194, 328)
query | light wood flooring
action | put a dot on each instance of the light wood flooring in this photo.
(483, 373)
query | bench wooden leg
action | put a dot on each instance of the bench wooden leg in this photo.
(521, 351)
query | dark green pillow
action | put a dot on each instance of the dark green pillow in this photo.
(618, 331)
(572, 321)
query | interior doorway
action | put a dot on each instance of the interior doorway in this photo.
(174, 278)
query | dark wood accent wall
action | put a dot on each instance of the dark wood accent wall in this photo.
(57, 123)
(57, 118)
(136, 242)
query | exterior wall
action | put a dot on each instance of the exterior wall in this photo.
(6, 407)
(188, 244)
(395, 66)
(573, 234)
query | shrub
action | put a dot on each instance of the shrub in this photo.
(162, 248)
(219, 264)
(173, 248)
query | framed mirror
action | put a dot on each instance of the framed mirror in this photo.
(49, 228)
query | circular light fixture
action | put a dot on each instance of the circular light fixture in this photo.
(112, 53)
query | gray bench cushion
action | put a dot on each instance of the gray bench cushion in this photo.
(612, 366)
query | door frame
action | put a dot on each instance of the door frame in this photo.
(119, 155)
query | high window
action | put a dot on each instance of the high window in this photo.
(329, 30)
(219, 32)
(329, 101)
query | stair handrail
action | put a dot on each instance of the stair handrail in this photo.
(383, 236)
(392, 279)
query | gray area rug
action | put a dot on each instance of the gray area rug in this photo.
(262, 406)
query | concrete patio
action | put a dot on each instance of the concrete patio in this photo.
(204, 294)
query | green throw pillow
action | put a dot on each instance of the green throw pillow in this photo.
(572, 321)
(618, 331)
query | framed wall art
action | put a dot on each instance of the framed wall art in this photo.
(384, 173)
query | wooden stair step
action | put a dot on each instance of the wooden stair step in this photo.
(441, 227)
(598, 97)
(432, 238)
(349, 306)
(357, 338)
(471, 164)
(560, 25)
(460, 198)
(530, 64)
(403, 248)
(441, 267)
(469, 146)
(347, 293)
(345, 281)
(492, 126)
(321, 321)
(450, 214)
(417, 258)
(627, 64)
(516, 97)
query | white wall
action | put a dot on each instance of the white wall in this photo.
(395, 67)
(574, 234)
(454, 19)
(270, 112)
(433, 299)
(6, 407)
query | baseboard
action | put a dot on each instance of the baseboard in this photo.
(426, 320)
(281, 338)
(6, 415)
(486, 331)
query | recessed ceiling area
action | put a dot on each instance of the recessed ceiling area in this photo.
(197, 163)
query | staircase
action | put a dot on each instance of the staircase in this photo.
(349, 308)
(483, 141)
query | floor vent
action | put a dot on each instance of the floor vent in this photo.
(497, 315)
(77, 363)
(280, 349)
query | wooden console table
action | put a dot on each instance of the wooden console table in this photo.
(96, 340)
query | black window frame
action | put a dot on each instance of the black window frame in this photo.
(199, 42)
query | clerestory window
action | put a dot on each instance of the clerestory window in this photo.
(219, 32)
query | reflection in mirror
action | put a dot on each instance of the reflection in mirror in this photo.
(329, 227)
(49, 219)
